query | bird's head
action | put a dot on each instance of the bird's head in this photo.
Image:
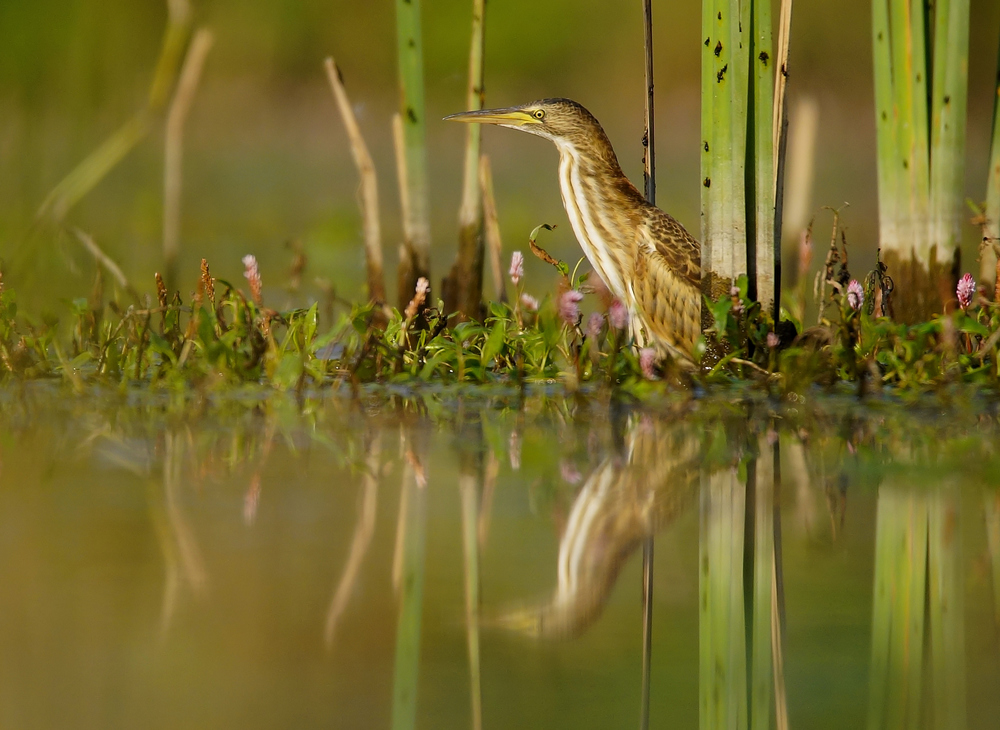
(560, 120)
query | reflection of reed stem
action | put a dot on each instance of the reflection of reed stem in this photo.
(468, 485)
(411, 595)
(992, 509)
(359, 544)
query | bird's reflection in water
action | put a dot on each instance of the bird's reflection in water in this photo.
(646, 481)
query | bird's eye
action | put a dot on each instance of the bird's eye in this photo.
(538, 114)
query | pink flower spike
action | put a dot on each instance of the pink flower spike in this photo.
(618, 315)
(569, 306)
(252, 274)
(647, 360)
(516, 267)
(529, 303)
(594, 325)
(855, 295)
(965, 291)
(772, 340)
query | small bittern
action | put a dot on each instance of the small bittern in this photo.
(644, 256)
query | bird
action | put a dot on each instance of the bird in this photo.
(643, 255)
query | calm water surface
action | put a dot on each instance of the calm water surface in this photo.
(442, 560)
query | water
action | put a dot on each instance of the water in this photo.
(259, 562)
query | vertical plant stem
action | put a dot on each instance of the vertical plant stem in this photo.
(763, 64)
(465, 281)
(649, 176)
(414, 259)
(369, 184)
(991, 231)
(949, 92)
(886, 126)
(801, 169)
(491, 228)
(992, 515)
(709, 220)
(173, 152)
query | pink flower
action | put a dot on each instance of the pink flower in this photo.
(419, 297)
(772, 340)
(855, 295)
(618, 315)
(647, 361)
(251, 271)
(965, 291)
(569, 306)
(594, 325)
(516, 267)
(529, 303)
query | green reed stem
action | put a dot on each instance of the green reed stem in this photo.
(948, 106)
(889, 172)
(414, 259)
(991, 231)
(765, 253)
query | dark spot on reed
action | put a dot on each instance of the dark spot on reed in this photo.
(884, 116)
(947, 100)
(722, 73)
(706, 145)
(718, 48)
(763, 57)
(906, 164)
(708, 42)
(720, 15)
(411, 115)
(708, 180)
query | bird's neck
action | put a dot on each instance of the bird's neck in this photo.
(595, 194)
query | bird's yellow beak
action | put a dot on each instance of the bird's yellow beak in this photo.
(510, 117)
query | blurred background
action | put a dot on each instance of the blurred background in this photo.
(267, 162)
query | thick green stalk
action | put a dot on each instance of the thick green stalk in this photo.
(991, 231)
(465, 282)
(414, 259)
(708, 142)
(720, 255)
(762, 60)
(889, 172)
(948, 104)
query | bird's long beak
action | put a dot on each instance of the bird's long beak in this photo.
(509, 117)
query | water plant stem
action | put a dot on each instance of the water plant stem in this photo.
(414, 254)
(369, 184)
(173, 149)
(491, 229)
(463, 287)
(991, 229)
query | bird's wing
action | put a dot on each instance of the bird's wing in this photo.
(668, 282)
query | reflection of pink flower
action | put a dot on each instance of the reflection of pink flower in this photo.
(647, 359)
(855, 295)
(618, 315)
(529, 303)
(516, 267)
(569, 306)
(569, 472)
(772, 340)
(594, 324)
(250, 501)
(965, 291)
